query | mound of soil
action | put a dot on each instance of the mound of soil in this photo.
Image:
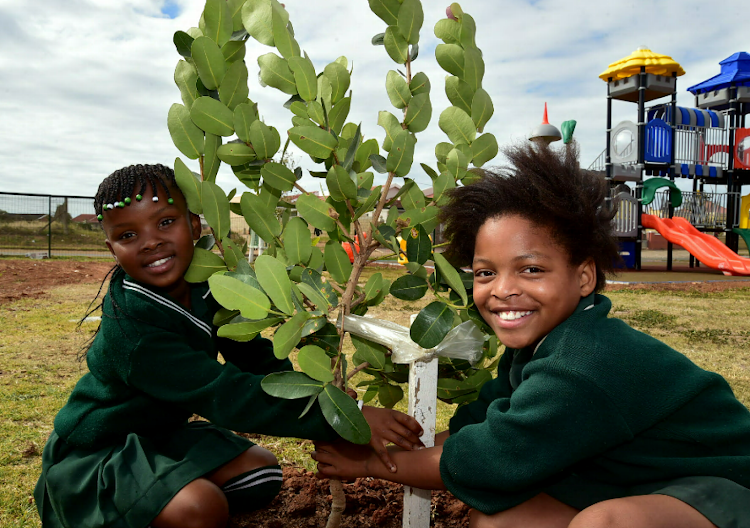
(305, 502)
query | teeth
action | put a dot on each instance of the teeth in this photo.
(512, 316)
(159, 262)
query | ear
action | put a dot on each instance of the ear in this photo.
(587, 277)
(195, 224)
(109, 247)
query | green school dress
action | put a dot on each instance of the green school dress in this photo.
(600, 411)
(122, 446)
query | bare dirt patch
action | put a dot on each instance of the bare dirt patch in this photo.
(31, 279)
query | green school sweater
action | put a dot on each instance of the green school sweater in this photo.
(154, 363)
(599, 402)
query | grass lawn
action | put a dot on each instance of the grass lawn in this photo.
(39, 347)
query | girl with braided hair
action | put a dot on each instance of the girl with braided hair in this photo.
(124, 452)
(589, 423)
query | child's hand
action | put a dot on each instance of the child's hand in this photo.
(343, 459)
(389, 426)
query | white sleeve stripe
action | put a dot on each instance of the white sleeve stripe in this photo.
(256, 483)
(166, 302)
(274, 471)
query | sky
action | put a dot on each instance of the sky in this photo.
(87, 84)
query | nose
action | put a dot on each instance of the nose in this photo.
(151, 242)
(505, 286)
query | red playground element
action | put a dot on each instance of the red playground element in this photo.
(709, 250)
(348, 248)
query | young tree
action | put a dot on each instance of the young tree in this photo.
(294, 286)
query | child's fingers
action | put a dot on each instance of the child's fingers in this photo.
(384, 457)
(410, 423)
(404, 440)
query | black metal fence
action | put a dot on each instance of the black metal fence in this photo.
(45, 226)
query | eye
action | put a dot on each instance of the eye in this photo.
(126, 235)
(166, 222)
(483, 273)
(533, 270)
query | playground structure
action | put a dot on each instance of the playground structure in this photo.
(708, 144)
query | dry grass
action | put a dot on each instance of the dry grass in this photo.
(38, 366)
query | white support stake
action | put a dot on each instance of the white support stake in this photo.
(423, 407)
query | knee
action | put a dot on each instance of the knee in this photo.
(606, 514)
(200, 504)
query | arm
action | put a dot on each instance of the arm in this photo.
(388, 426)
(420, 468)
(255, 356)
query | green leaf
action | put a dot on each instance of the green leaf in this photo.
(413, 198)
(483, 149)
(233, 51)
(282, 37)
(314, 362)
(442, 150)
(419, 113)
(351, 151)
(232, 254)
(396, 45)
(313, 325)
(419, 84)
(451, 276)
(368, 204)
(369, 352)
(288, 335)
(275, 72)
(209, 61)
(387, 10)
(457, 125)
(187, 137)
(278, 176)
(203, 266)
(235, 154)
(218, 19)
(418, 245)
(315, 279)
(325, 93)
(397, 89)
(427, 217)
(342, 413)
(392, 127)
(247, 330)
(339, 78)
(185, 77)
(450, 57)
(432, 325)
(273, 276)
(468, 31)
(315, 141)
(257, 17)
(473, 68)
(378, 163)
(304, 77)
(374, 286)
(215, 208)
(297, 241)
(265, 140)
(481, 108)
(236, 295)
(443, 183)
(338, 114)
(245, 114)
(337, 262)
(389, 395)
(235, 9)
(315, 112)
(212, 116)
(211, 160)
(409, 287)
(314, 296)
(401, 155)
(260, 218)
(183, 42)
(315, 212)
(459, 93)
(457, 163)
(340, 184)
(234, 90)
(448, 30)
(189, 184)
(429, 171)
(290, 385)
(364, 152)
(410, 19)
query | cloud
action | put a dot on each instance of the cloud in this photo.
(87, 83)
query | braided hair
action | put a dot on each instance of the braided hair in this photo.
(547, 188)
(119, 188)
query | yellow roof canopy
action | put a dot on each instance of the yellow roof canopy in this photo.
(631, 65)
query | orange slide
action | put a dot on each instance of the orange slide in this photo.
(709, 250)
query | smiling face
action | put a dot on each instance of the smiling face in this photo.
(524, 283)
(153, 241)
